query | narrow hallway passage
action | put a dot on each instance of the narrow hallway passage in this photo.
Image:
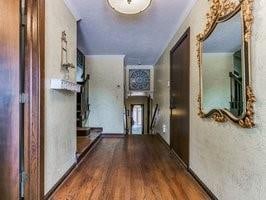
(133, 167)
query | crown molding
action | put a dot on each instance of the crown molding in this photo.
(73, 10)
(179, 24)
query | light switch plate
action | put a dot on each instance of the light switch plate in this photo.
(164, 128)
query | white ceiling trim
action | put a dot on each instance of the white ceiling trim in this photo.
(72, 10)
(179, 24)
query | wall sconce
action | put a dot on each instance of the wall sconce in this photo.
(64, 56)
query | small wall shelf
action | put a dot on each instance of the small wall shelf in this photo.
(61, 84)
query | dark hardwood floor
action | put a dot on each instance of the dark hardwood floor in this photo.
(134, 167)
(83, 142)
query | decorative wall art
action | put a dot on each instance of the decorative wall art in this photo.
(139, 79)
(224, 60)
(65, 65)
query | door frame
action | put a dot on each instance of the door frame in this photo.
(34, 106)
(131, 117)
(185, 35)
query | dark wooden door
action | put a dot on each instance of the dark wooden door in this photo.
(9, 98)
(179, 97)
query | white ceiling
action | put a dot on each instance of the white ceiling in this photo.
(142, 38)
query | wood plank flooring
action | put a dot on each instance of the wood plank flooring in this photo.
(83, 142)
(130, 168)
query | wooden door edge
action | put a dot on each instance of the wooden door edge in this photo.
(34, 107)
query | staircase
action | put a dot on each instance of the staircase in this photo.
(86, 136)
(83, 108)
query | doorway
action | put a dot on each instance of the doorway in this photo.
(137, 119)
(179, 98)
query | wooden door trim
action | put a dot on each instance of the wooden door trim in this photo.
(185, 35)
(34, 107)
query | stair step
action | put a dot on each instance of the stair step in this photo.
(96, 129)
(83, 131)
(85, 144)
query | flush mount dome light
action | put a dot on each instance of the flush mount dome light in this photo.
(129, 6)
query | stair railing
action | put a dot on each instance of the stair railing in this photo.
(126, 120)
(154, 116)
(83, 108)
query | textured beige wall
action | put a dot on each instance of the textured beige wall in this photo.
(106, 92)
(162, 95)
(216, 83)
(60, 107)
(230, 160)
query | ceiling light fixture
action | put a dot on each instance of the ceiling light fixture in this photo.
(129, 6)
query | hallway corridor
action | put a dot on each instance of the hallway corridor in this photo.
(134, 167)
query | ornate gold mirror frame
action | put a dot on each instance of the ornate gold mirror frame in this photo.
(220, 11)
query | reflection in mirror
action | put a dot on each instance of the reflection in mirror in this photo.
(223, 68)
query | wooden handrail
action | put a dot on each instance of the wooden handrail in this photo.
(236, 78)
(126, 121)
(85, 81)
(236, 103)
(153, 116)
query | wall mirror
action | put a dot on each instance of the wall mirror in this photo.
(224, 63)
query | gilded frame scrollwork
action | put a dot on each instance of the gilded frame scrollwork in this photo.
(220, 11)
